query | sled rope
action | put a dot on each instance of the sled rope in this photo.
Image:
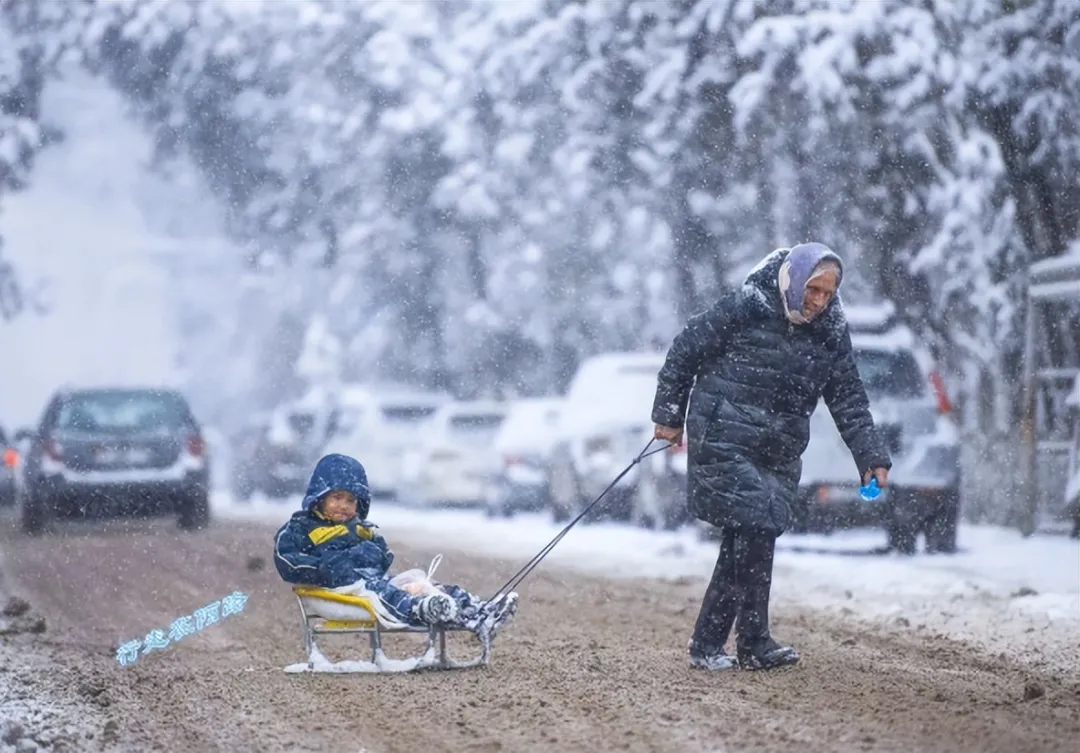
(529, 566)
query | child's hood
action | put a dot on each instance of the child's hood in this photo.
(339, 472)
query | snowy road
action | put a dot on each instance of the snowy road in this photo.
(593, 663)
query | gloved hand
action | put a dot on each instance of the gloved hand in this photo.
(367, 555)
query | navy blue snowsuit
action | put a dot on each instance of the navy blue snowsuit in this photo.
(312, 550)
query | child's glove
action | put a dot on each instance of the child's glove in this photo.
(367, 555)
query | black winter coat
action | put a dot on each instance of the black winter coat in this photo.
(756, 379)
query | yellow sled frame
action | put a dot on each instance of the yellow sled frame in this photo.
(364, 617)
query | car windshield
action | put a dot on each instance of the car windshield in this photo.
(893, 373)
(122, 412)
(407, 414)
(301, 424)
(476, 427)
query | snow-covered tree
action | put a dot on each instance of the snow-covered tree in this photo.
(33, 38)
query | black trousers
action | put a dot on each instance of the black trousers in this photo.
(739, 590)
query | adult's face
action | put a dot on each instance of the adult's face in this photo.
(820, 290)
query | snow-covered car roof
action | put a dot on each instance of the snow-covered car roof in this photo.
(614, 389)
(365, 394)
(900, 338)
(863, 317)
(530, 423)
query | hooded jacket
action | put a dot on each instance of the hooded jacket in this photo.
(313, 550)
(756, 376)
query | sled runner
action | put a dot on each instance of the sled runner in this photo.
(326, 611)
(353, 609)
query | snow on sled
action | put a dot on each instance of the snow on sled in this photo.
(330, 611)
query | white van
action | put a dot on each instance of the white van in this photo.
(379, 426)
(522, 451)
(605, 422)
(451, 464)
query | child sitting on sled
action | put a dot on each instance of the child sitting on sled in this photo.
(330, 543)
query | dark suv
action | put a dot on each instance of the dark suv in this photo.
(108, 452)
(273, 465)
(913, 414)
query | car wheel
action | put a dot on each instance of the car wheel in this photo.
(565, 493)
(901, 529)
(194, 510)
(644, 500)
(941, 528)
(34, 513)
(243, 490)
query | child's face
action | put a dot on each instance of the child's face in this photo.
(339, 506)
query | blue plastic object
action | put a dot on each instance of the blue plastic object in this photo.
(871, 491)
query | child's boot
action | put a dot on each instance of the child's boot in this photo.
(493, 615)
(436, 609)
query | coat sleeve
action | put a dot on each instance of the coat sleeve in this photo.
(380, 541)
(703, 338)
(845, 395)
(293, 564)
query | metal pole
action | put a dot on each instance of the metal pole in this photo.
(1028, 502)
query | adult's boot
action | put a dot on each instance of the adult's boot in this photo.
(756, 648)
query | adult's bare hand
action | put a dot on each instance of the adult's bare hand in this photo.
(668, 434)
(881, 474)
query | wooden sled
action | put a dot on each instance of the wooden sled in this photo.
(325, 611)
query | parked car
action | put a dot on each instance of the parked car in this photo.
(913, 412)
(522, 449)
(100, 452)
(660, 496)
(8, 462)
(604, 424)
(379, 425)
(270, 462)
(452, 463)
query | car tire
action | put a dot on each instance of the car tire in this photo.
(901, 530)
(194, 510)
(243, 490)
(34, 514)
(941, 528)
(565, 491)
